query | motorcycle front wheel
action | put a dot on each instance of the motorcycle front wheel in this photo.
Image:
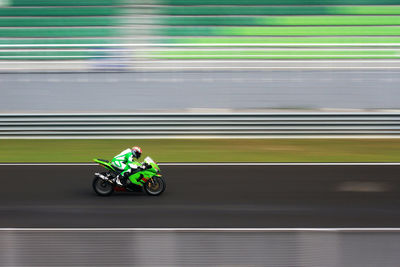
(102, 187)
(155, 186)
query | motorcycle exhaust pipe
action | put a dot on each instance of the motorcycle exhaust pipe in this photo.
(101, 176)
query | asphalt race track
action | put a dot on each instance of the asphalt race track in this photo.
(206, 196)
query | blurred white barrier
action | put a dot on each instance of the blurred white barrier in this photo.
(164, 247)
(135, 54)
(199, 125)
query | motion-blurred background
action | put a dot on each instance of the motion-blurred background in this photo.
(123, 35)
(178, 55)
(202, 81)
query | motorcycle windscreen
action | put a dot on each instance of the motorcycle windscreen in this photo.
(151, 162)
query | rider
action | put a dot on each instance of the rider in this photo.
(126, 163)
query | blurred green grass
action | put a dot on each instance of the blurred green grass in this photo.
(275, 31)
(348, 40)
(272, 54)
(206, 150)
(265, 21)
(279, 10)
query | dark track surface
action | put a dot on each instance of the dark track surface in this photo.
(202, 196)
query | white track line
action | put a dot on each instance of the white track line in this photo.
(210, 229)
(227, 164)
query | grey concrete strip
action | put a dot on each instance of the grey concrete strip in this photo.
(187, 248)
(131, 92)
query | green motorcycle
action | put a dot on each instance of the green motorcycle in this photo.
(148, 179)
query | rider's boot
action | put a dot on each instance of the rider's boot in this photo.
(118, 181)
(122, 179)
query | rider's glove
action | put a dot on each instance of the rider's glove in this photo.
(146, 166)
(143, 167)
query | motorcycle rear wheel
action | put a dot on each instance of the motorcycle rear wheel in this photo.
(101, 187)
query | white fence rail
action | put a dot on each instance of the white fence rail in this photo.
(139, 54)
(199, 125)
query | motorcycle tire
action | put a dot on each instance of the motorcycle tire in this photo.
(156, 188)
(101, 187)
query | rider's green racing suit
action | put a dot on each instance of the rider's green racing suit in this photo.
(125, 162)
